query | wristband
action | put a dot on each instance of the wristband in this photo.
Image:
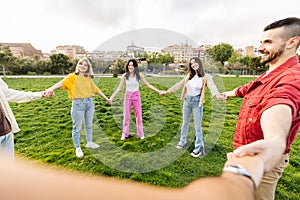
(240, 170)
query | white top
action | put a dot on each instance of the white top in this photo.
(132, 84)
(194, 86)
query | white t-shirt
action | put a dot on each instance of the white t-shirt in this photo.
(194, 86)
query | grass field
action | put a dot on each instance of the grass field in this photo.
(46, 125)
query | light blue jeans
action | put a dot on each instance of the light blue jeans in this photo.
(191, 104)
(82, 111)
(7, 144)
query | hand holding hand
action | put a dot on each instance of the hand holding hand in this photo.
(162, 93)
(262, 148)
(222, 96)
(47, 93)
(109, 101)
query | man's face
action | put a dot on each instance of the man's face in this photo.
(272, 46)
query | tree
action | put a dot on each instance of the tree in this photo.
(5, 57)
(234, 58)
(61, 64)
(255, 67)
(156, 60)
(43, 67)
(118, 67)
(221, 52)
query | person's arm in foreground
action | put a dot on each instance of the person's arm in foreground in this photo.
(275, 123)
(25, 180)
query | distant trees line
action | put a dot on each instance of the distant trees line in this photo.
(222, 55)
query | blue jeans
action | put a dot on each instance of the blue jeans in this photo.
(7, 144)
(82, 111)
(191, 104)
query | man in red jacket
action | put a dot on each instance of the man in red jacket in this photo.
(271, 107)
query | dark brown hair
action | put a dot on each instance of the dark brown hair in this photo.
(200, 69)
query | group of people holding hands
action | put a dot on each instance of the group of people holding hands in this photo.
(267, 125)
(81, 90)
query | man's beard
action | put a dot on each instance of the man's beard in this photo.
(273, 56)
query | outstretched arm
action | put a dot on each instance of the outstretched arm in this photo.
(175, 87)
(225, 95)
(13, 95)
(50, 91)
(100, 93)
(119, 88)
(143, 79)
(228, 186)
(212, 86)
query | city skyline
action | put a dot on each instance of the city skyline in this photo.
(47, 24)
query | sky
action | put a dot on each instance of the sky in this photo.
(110, 24)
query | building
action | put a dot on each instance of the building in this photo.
(239, 52)
(133, 51)
(24, 50)
(153, 49)
(184, 52)
(72, 51)
(249, 51)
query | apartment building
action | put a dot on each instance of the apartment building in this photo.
(24, 50)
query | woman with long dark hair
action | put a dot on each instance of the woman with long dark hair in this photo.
(194, 85)
(132, 97)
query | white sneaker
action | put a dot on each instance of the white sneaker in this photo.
(142, 137)
(79, 152)
(123, 137)
(91, 145)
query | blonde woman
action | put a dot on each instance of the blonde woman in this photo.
(81, 89)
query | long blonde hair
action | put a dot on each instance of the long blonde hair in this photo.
(89, 72)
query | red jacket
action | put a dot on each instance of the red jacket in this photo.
(280, 86)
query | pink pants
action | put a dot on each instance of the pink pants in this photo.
(132, 99)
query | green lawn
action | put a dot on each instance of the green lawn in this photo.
(46, 127)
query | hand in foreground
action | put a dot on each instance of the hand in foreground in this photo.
(263, 148)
